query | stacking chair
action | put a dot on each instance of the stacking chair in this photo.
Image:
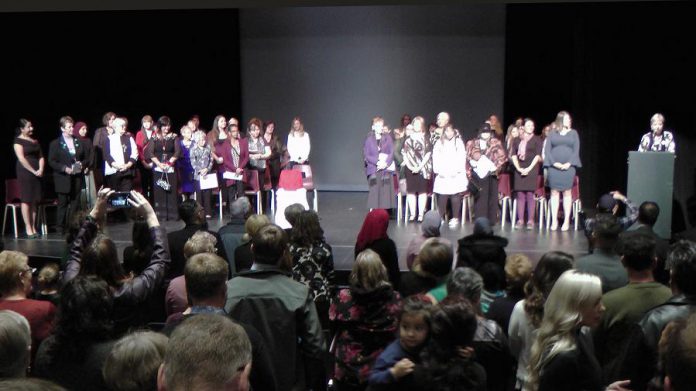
(251, 187)
(268, 187)
(41, 213)
(467, 205)
(505, 189)
(308, 182)
(540, 200)
(12, 202)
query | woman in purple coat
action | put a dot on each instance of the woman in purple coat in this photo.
(379, 167)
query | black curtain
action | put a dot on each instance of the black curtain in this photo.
(612, 66)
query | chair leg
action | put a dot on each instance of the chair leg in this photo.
(398, 206)
(502, 217)
(273, 202)
(220, 204)
(4, 220)
(513, 213)
(316, 201)
(464, 202)
(258, 203)
(14, 220)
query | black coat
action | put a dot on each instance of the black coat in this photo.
(59, 159)
(475, 250)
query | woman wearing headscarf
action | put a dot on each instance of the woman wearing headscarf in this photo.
(373, 235)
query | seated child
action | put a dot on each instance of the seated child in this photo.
(49, 282)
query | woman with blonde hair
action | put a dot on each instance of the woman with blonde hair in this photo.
(365, 316)
(417, 157)
(298, 143)
(243, 258)
(562, 355)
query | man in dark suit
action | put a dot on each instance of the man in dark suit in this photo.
(648, 212)
(67, 157)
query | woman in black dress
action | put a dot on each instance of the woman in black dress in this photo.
(277, 152)
(164, 150)
(525, 154)
(30, 168)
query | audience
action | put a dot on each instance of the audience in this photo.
(231, 234)
(604, 262)
(493, 284)
(29, 384)
(365, 316)
(134, 360)
(373, 235)
(608, 206)
(15, 345)
(430, 270)
(518, 270)
(137, 256)
(680, 357)
(48, 282)
(243, 257)
(481, 246)
(430, 228)
(282, 310)
(291, 213)
(207, 352)
(648, 212)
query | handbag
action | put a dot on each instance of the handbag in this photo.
(163, 182)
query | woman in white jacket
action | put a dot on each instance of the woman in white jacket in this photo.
(449, 167)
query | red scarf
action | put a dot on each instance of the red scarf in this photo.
(374, 227)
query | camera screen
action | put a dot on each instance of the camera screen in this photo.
(119, 200)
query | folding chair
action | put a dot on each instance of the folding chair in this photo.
(251, 187)
(308, 182)
(12, 202)
(505, 189)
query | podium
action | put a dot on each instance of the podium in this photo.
(651, 178)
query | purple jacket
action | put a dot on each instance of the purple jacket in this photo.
(372, 150)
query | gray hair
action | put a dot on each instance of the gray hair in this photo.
(240, 208)
(292, 211)
(15, 344)
(134, 360)
(467, 282)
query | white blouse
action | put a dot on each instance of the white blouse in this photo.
(298, 147)
(449, 167)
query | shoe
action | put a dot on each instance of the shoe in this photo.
(33, 236)
(412, 218)
(420, 218)
(530, 225)
(519, 224)
(565, 227)
(554, 226)
(453, 223)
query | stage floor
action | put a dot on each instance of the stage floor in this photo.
(341, 214)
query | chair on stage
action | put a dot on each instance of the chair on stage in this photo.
(308, 182)
(13, 203)
(540, 199)
(252, 187)
(505, 190)
(268, 187)
(399, 199)
(290, 191)
(41, 213)
(467, 205)
(576, 206)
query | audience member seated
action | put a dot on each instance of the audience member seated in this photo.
(29, 384)
(282, 310)
(243, 257)
(365, 317)
(430, 228)
(648, 212)
(608, 206)
(493, 284)
(373, 236)
(528, 313)
(394, 367)
(220, 350)
(206, 284)
(15, 345)
(176, 299)
(312, 261)
(679, 357)
(490, 343)
(481, 246)
(626, 306)
(94, 254)
(430, 270)
(48, 282)
(604, 262)
(518, 270)
(83, 337)
(291, 213)
(15, 287)
(137, 256)
(231, 234)
(134, 360)
(193, 215)
(562, 356)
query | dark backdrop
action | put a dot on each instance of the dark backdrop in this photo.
(83, 64)
(611, 66)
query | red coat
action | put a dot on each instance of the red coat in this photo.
(224, 150)
(141, 141)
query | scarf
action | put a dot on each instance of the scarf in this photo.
(522, 149)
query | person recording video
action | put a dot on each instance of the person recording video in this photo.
(67, 157)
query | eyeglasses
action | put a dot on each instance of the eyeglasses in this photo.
(30, 269)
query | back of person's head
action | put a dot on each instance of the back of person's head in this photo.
(190, 212)
(240, 208)
(307, 230)
(369, 273)
(679, 356)
(648, 212)
(142, 247)
(206, 352)
(482, 226)
(206, 276)
(134, 360)
(607, 204)
(29, 384)
(12, 265)
(493, 276)
(574, 294)
(550, 267)
(292, 211)
(466, 282)
(15, 344)
(269, 245)
(200, 242)
(141, 234)
(682, 264)
(518, 270)
(430, 226)
(84, 315)
(373, 228)
(49, 276)
(637, 251)
(434, 258)
(75, 222)
(100, 258)
(606, 231)
(254, 224)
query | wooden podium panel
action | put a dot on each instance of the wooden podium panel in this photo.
(651, 178)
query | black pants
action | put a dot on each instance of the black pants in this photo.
(274, 167)
(202, 196)
(166, 201)
(119, 181)
(486, 204)
(262, 183)
(69, 202)
(456, 200)
(146, 181)
(233, 192)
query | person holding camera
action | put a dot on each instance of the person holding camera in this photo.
(163, 150)
(67, 156)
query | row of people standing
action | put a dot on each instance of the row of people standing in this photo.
(166, 163)
(440, 160)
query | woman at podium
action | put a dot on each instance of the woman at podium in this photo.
(658, 139)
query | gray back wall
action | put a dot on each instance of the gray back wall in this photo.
(337, 67)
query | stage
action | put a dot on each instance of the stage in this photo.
(341, 214)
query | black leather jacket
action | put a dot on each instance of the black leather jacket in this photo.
(655, 320)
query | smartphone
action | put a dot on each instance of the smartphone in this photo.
(119, 199)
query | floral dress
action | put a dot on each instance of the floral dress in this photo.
(313, 266)
(366, 324)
